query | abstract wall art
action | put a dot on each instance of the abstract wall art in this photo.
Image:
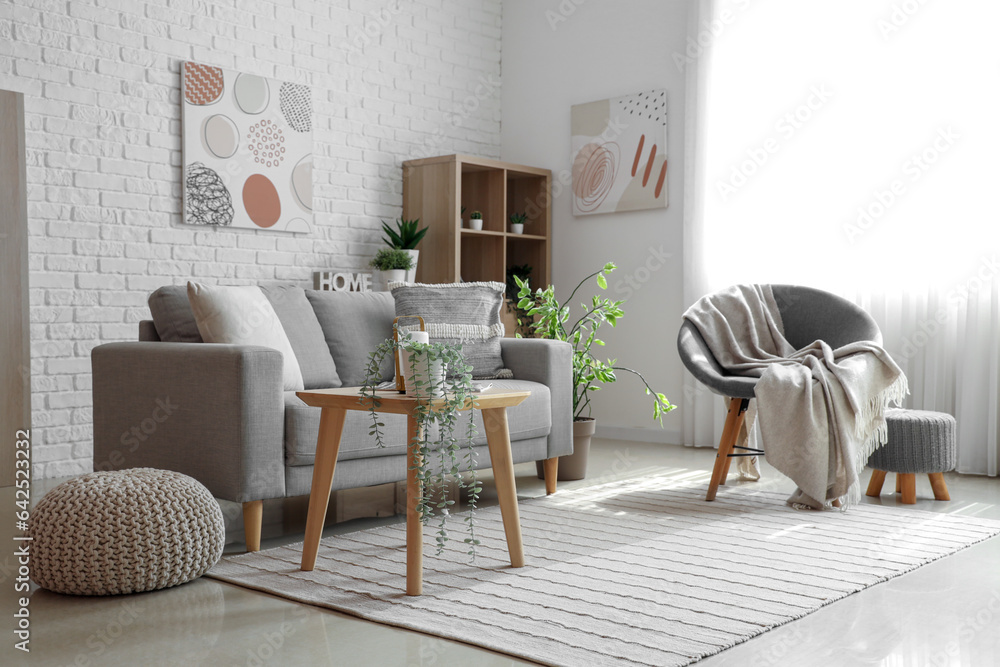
(247, 143)
(620, 153)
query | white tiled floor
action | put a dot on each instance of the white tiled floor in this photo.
(944, 614)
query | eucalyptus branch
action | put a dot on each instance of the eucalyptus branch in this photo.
(447, 395)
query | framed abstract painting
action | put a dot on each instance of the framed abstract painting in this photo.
(247, 150)
(620, 153)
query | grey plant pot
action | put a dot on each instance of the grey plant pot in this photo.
(574, 466)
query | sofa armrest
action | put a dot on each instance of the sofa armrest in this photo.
(549, 362)
(214, 412)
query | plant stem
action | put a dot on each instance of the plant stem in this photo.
(573, 293)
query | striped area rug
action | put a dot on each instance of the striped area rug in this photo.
(637, 572)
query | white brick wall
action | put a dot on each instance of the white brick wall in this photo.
(392, 80)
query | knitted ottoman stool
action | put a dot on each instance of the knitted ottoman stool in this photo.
(124, 531)
(919, 442)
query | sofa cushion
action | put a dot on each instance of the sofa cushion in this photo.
(172, 315)
(465, 314)
(306, 336)
(354, 324)
(530, 419)
(243, 316)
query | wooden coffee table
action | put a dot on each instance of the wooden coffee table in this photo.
(336, 402)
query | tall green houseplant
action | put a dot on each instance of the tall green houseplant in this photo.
(590, 373)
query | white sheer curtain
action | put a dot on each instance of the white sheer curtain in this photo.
(855, 147)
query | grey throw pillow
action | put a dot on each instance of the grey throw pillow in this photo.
(464, 313)
(306, 336)
(354, 324)
(173, 318)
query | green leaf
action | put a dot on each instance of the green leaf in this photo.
(602, 282)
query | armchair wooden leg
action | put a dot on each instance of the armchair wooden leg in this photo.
(728, 462)
(253, 517)
(551, 469)
(729, 434)
(875, 485)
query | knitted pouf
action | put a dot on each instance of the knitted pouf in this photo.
(124, 531)
(919, 442)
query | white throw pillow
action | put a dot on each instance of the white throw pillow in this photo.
(243, 316)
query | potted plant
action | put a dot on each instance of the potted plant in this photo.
(461, 217)
(476, 220)
(517, 222)
(438, 371)
(520, 320)
(589, 373)
(406, 236)
(392, 263)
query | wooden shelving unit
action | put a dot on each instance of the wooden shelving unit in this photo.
(435, 190)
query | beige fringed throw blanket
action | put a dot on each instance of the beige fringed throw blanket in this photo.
(820, 410)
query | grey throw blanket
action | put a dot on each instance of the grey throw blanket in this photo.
(820, 410)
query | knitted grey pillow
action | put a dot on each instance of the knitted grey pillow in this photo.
(464, 313)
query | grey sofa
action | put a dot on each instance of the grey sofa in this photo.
(219, 413)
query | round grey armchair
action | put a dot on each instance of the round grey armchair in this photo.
(808, 315)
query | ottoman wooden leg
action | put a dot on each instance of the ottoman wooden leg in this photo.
(875, 485)
(940, 488)
(908, 486)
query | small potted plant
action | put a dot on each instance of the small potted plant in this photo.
(441, 372)
(551, 320)
(476, 220)
(517, 222)
(405, 237)
(461, 217)
(392, 263)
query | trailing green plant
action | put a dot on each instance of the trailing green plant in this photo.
(522, 271)
(406, 236)
(391, 259)
(455, 454)
(589, 372)
(476, 215)
(517, 218)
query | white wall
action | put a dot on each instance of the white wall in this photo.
(391, 79)
(557, 53)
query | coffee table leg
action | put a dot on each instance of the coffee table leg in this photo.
(331, 425)
(414, 527)
(498, 441)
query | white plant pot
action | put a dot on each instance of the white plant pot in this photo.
(394, 276)
(517, 228)
(420, 369)
(411, 275)
(476, 224)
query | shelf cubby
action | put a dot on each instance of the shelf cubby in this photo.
(435, 190)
